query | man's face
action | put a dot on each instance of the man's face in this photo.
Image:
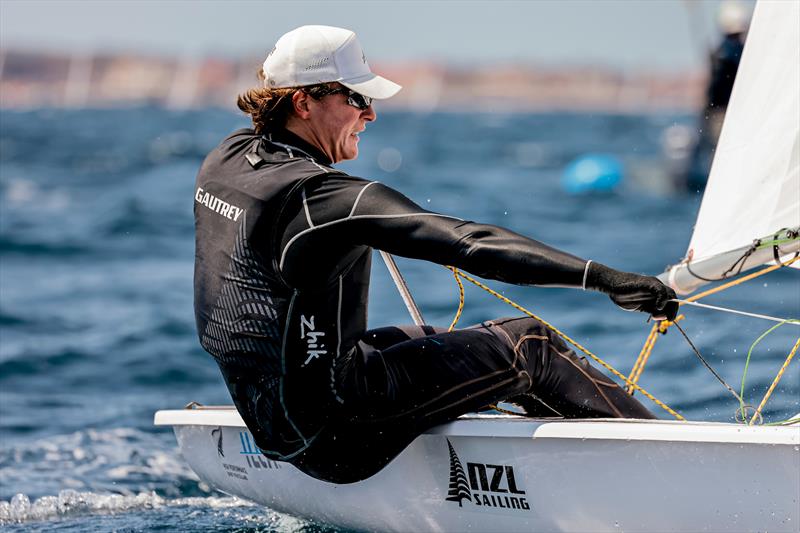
(335, 125)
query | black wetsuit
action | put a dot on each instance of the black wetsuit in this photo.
(284, 245)
(724, 65)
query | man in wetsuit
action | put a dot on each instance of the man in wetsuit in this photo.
(283, 249)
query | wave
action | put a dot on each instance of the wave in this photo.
(134, 216)
(120, 460)
(8, 319)
(26, 247)
(26, 365)
(69, 502)
(91, 474)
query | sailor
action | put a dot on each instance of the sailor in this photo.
(733, 20)
(283, 248)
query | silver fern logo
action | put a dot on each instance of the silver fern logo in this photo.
(459, 486)
(484, 485)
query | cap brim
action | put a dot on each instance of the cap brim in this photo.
(373, 86)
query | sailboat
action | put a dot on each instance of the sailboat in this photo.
(486, 472)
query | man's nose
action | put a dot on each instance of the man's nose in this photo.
(369, 114)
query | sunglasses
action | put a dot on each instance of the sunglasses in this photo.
(357, 100)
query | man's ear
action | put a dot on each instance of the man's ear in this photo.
(300, 102)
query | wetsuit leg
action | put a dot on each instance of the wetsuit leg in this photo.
(395, 392)
(565, 384)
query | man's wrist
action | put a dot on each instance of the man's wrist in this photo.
(598, 277)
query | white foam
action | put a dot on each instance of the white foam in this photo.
(70, 503)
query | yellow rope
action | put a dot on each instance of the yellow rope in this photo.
(453, 326)
(460, 299)
(644, 355)
(570, 340)
(649, 343)
(775, 381)
(647, 349)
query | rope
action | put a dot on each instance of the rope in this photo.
(737, 312)
(641, 361)
(708, 366)
(647, 349)
(788, 422)
(659, 327)
(750, 354)
(453, 326)
(644, 355)
(570, 340)
(460, 299)
(649, 343)
(738, 281)
(758, 244)
(776, 380)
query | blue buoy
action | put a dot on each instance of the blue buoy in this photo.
(592, 173)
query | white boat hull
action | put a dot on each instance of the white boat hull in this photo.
(493, 473)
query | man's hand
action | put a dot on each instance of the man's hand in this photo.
(633, 292)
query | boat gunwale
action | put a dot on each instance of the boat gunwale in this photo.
(508, 426)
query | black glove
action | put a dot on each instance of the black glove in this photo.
(633, 292)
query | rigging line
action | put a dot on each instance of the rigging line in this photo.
(647, 349)
(741, 280)
(708, 366)
(790, 236)
(740, 262)
(750, 353)
(460, 299)
(776, 380)
(737, 312)
(574, 343)
(787, 422)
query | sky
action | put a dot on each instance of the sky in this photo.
(666, 35)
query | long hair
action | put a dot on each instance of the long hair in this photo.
(269, 108)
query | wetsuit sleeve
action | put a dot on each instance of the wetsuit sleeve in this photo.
(385, 219)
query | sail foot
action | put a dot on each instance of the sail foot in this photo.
(688, 276)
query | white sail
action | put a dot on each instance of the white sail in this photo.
(753, 189)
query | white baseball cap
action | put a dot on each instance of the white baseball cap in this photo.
(733, 17)
(310, 55)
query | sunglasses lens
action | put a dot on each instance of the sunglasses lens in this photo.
(359, 100)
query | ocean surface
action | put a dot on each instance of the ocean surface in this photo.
(96, 323)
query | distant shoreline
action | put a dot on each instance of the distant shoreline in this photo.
(33, 79)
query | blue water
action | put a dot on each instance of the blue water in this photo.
(96, 322)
